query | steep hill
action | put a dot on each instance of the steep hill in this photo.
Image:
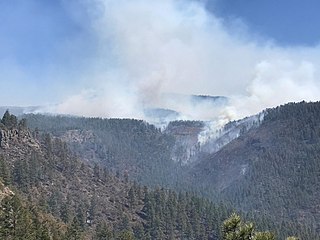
(121, 145)
(77, 196)
(272, 169)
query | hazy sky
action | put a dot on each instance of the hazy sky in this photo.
(110, 57)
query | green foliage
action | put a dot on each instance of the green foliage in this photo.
(235, 229)
(74, 231)
(9, 120)
(17, 221)
(132, 197)
(5, 175)
(125, 235)
(134, 148)
(103, 232)
(183, 216)
(264, 236)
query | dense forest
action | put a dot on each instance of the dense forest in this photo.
(273, 169)
(48, 193)
(271, 166)
(121, 145)
(270, 172)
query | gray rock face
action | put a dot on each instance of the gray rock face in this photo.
(14, 138)
(186, 145)
(8, 136)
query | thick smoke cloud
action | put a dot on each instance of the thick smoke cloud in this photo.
(149, 49)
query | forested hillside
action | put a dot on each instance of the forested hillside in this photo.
(273, 169)
(47, 193)
(121, 145)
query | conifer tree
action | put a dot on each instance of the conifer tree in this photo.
(74, 231)
(5, 175)
(131, 197)
(102, 232)
(6, 119)
(126, 235)
(264, 236)
(235, 229)
(65, 212)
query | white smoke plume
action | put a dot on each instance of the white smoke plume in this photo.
(150, 48)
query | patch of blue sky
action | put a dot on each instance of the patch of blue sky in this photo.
(286, 22)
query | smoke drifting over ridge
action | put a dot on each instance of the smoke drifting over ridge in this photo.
(150, 48)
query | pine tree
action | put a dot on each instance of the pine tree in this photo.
(65, 212)
(25, 228)
(138, 231)
(22, 124)
(20, 174)
(234, 229)
(49, 148)
(92, 209)
(41, 230)
(181, 214)
(16, 221)
(54, 203)
(96, 172)
(6, 218)
(102, 232)
(124, 224)
(81, 215)
(149, 210)
(264, 236)
(4, 171)
(34, 169)
(74, 231)
(126, 235)
(131, 198)
(6, 119)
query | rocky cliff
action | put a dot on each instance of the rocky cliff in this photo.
(13, 139)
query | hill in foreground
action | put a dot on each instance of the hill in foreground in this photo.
(273, 169)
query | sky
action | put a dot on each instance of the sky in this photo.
(114, 58)
(286, 22)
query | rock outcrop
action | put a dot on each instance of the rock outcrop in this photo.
(18, 141)
(5, 191)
